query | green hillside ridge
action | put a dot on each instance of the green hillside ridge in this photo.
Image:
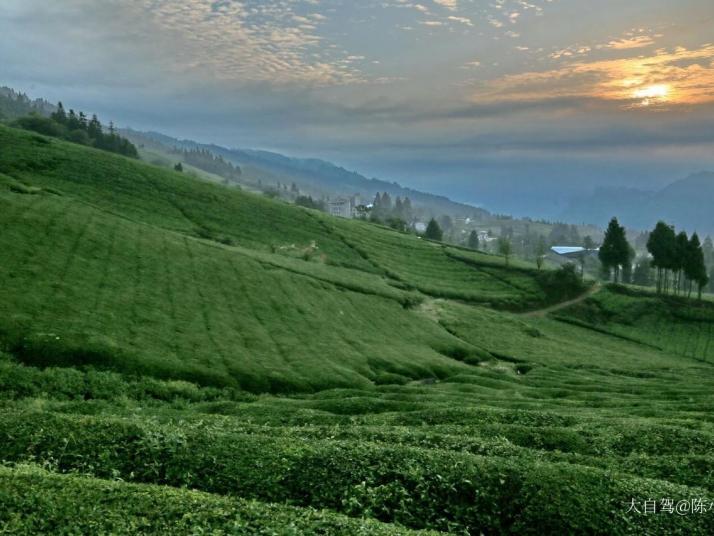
(162, 274)
(179, 356)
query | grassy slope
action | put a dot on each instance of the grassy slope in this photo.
(123, 270)
(418, 406)
(674, 324)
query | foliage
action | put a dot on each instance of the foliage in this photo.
(238, 352)
(433, 231)
(78, 129)
(505, 248)
(615, 252)
(472, 241)
(209, 162)
(678, 255)
(308, 202)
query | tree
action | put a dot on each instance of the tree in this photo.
(615, 251)
(397, 224)
(399, 208)
(661, 245)
(505, 248)
(627, 266)
(708, 250)
(679, 261)
(72, 121)
(541, 250)
(433, 231)
(694, 268)
(178, 167)
(59, 116)
(83, 121)
(472, 242)
(588, 242)
(407, 209)
(94, 128)
(642, 275)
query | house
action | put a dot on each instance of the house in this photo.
(344, 207)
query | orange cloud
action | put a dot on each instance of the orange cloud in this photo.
(687, 75)
(631, 42)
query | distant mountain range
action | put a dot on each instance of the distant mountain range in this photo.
(686, 203)
(314, 174)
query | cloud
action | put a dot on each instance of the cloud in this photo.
(462, 20)
(471, 64)
(249, 41)
(686, 74)
(631, 42)
(448, 4)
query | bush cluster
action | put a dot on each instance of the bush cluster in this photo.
(417, 488)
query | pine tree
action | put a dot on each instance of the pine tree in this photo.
(661, 245)
(678, 265)
(433, 231)
(473, 240)
(94, 128)
(505, 248)
(694, 267)
(72, 120)
(642, 274)
(615, 252)
(407, 209)
(60, 116)
(399, 208)
(83, 121)
(541, 250)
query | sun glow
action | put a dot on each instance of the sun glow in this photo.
(659, 91)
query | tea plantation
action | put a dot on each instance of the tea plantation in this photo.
(183, 358)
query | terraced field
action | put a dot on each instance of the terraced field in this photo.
(178, 357)
(675, 324)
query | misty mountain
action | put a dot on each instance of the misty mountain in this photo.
(312, 174)
(687, 203)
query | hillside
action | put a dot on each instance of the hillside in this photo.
(684, 203)
(181, 357)
(310, 174)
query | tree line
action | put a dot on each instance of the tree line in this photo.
(14, 104)
(78, 128)
(384, 209)
(209, 162)
(678, 259)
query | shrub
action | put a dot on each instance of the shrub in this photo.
(418, 488)
(33, 501)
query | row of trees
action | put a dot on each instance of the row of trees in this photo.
(384, 209)
(77, 128)
(678, 259)
(14, 104)
(207, 161)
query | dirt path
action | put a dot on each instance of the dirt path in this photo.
(558, 306)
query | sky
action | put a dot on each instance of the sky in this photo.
(514, 105)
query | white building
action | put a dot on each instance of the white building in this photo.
(343, 207)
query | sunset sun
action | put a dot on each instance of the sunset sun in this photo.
(650, 94)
